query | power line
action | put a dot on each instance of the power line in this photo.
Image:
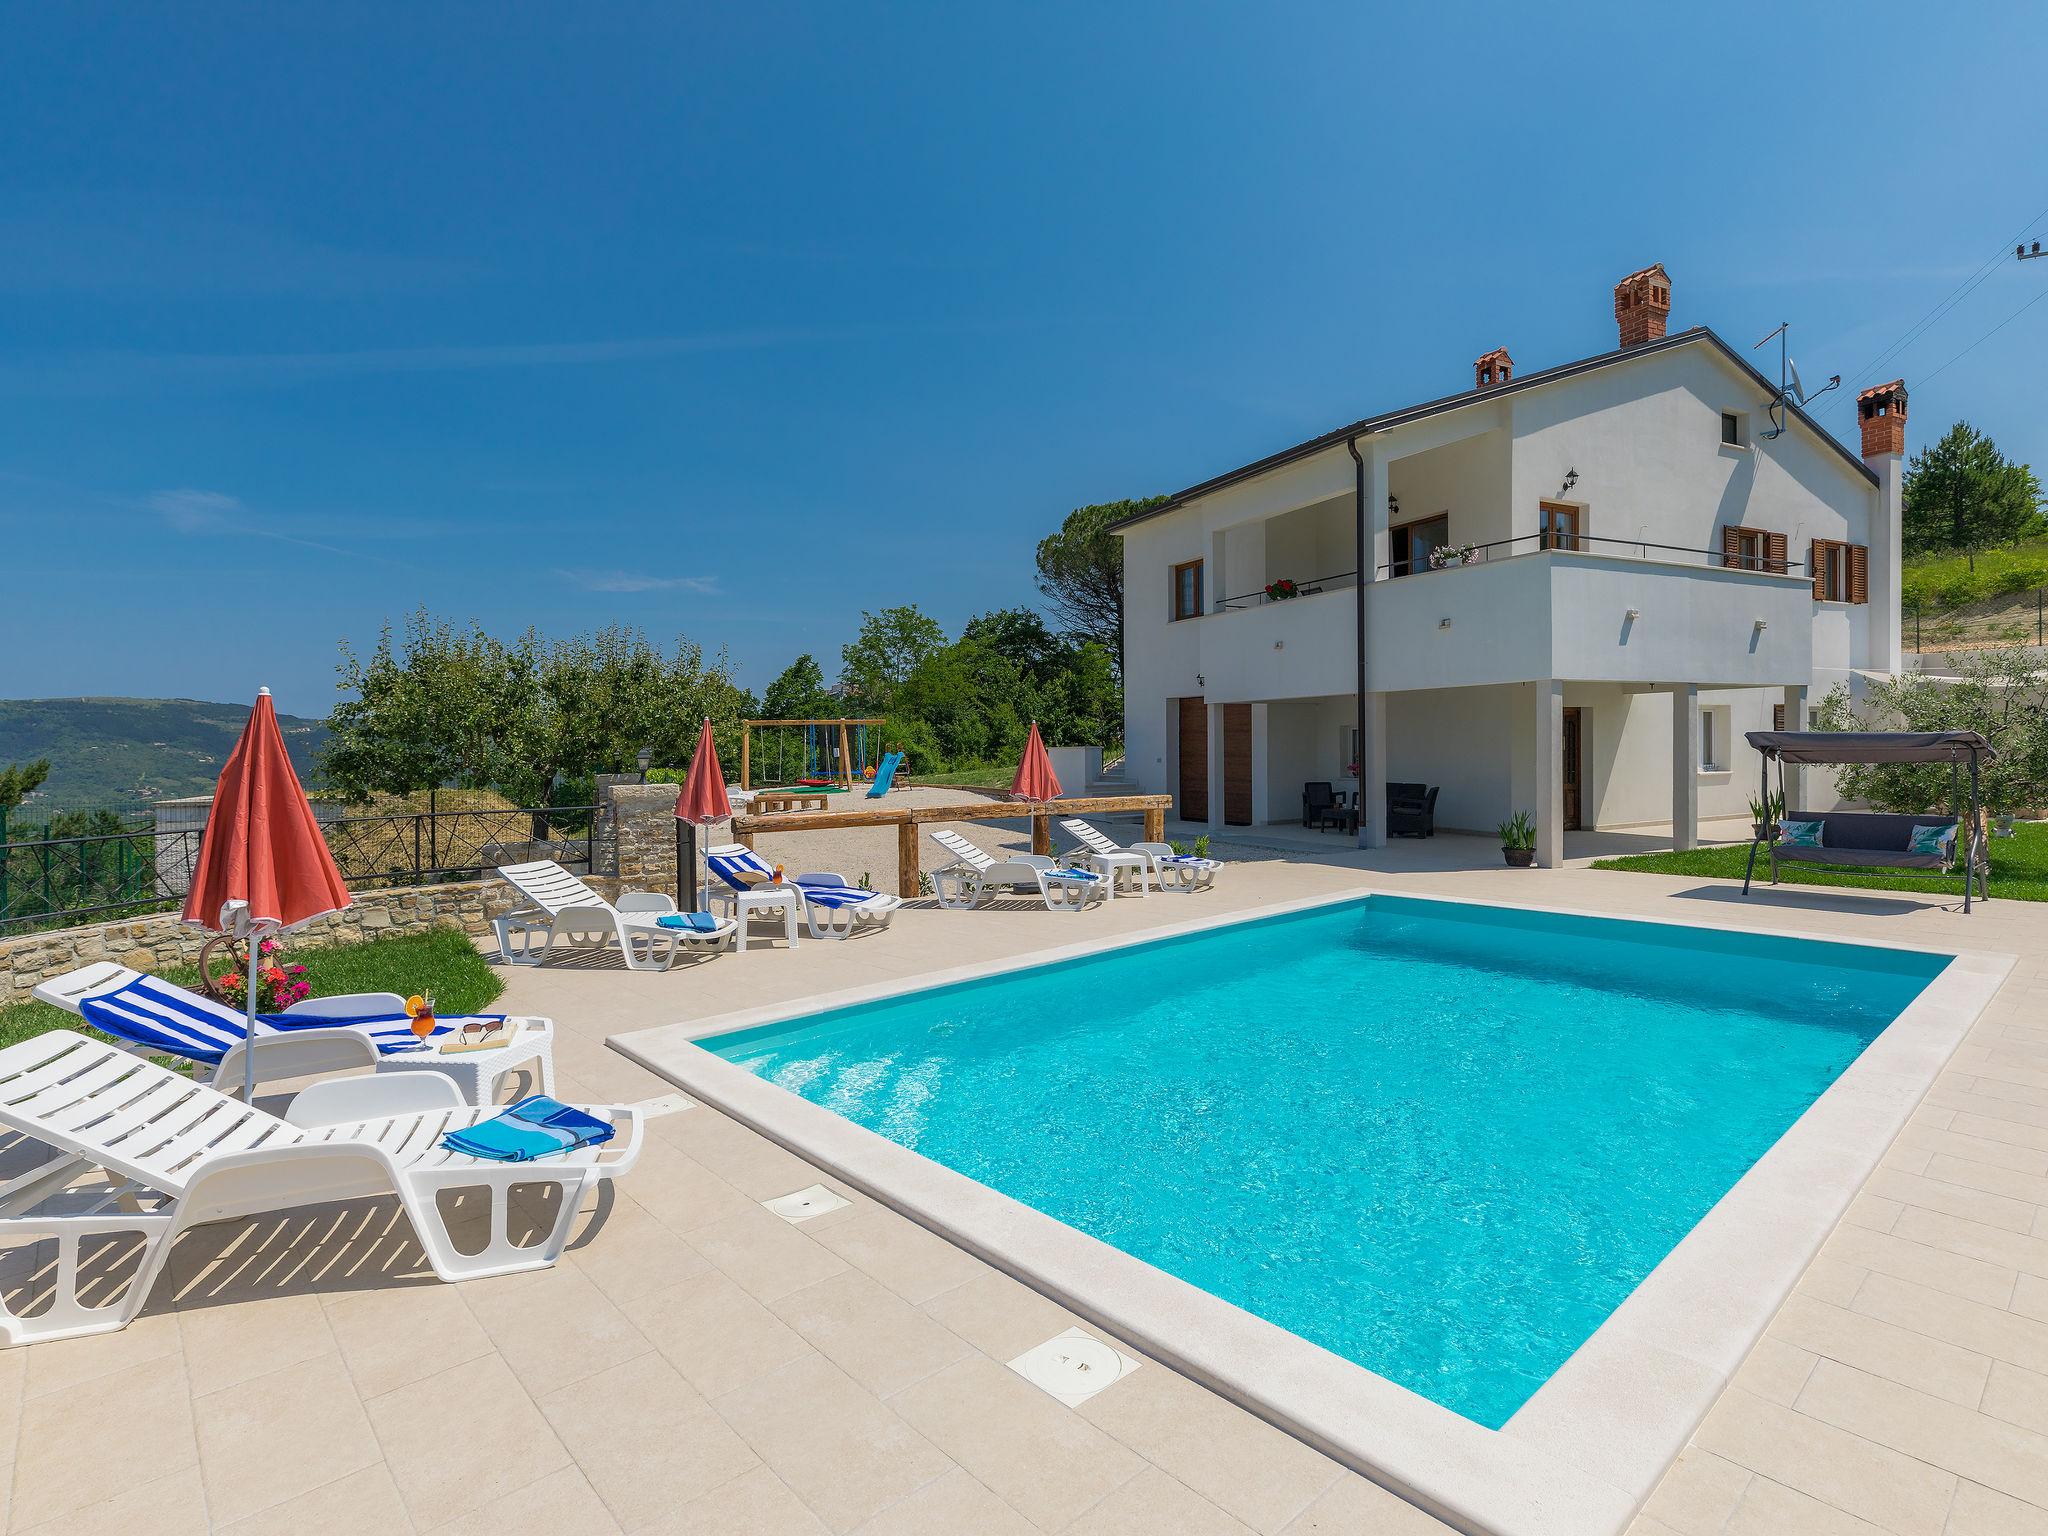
(1963, 290)
(1973, 346)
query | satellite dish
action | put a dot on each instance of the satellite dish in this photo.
(1798, 389)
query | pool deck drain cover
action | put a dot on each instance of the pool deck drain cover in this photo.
(1074, 1366)
(806, 1203)
(666, 1104)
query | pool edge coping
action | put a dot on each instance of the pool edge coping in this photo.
(1587, 1448)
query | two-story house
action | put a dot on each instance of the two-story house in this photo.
(1568, 592)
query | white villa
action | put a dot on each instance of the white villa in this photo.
(1581, 587)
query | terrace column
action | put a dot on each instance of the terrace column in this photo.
(1372, 773)
(1549, 773)
(1262, 748)
(1685, 765)
(1795, 720)
(1216, 766)
(1373, 547)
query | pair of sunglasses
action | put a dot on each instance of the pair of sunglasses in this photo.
(476, 1031)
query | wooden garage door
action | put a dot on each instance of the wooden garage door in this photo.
(1237, 764)
(1194, 760)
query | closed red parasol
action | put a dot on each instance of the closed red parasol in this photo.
(703, 799)
(1035, 779)
(263, 865)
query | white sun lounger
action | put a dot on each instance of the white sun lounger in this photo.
(173, 1153)
(560, 906)
(1179, 872)
(154, 1017)
(832, 907)
(976, 876)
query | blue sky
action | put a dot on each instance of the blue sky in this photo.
(734, 321)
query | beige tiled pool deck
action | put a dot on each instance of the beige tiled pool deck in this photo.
(698, 1365)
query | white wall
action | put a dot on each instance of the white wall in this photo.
(1469, 480)
(1307, 739)
(1313, 541)
(1460, 739)
(1645, 438)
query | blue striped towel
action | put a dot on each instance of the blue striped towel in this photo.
(534, 1127)
(160, 1016)
(833, 896)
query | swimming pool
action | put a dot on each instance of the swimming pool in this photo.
(1443, 1141)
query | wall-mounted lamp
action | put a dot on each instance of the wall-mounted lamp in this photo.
(1763, 624)
(1393, 505)
(1279, 645)
(1201, 681)
(1634, 613)
(1571, 478)
(1443, 623)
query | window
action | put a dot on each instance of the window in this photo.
(1714, 734)
(1410, 545)
(1187, 590)
(1746, 548)
(1557, 526)
(1841, 572)
(1734, 430)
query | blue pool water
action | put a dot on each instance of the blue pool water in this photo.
(1443, 1141)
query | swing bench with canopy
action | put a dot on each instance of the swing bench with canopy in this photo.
(1875, 839)
(830, 755)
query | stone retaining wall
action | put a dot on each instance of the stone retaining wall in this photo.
(160, 941)
(646, 854)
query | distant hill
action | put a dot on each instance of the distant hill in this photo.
(125, 753)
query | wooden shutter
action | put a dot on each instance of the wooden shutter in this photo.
(1777, 553)
(1817, 563)
(1859, 573)
(1731, 545)
(1777, 717)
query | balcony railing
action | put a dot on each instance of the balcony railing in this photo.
(1584, 543)
(1308, 588)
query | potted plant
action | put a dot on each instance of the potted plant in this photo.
(1518, 840)
(1451, 554)
(1281, 590)
(1766, 813)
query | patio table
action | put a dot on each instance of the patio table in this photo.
(531, 1044)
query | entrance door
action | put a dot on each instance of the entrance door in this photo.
(1237, 765)
(1558, 526)
(1568, 770)
(1194, 760)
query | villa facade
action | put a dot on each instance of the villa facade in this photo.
(1581, 587)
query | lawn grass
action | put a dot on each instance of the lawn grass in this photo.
(2019, 868)
(441, 961)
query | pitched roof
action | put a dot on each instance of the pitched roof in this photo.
(1697, 335)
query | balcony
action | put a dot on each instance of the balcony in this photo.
(1602, 611)
(1255, 647)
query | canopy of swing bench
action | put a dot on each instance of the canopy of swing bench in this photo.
(1820, 747)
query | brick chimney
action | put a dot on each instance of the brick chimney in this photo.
(1494, 368)
(1642, 303)
(1882, 412)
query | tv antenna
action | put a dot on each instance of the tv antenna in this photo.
(1789, 385)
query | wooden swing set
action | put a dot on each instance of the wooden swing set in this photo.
(832, 752)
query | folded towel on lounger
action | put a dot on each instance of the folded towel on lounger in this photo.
(695, 922)
(534, 1127)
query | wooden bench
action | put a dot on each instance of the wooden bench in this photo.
(767, 801)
